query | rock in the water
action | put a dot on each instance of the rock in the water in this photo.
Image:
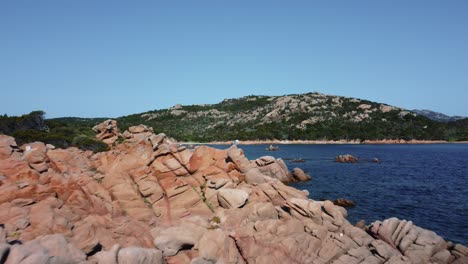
(300, 160)
(299, 175)
(346, 159)
(272, 148)
(344, 202)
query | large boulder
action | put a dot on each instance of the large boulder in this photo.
(265, 160)
(217, 247)
(7, 145)
(298, 174)
(35, 155)
(232, 198)
(236, 155)
(136, 255)
(255, 176)
(129, 255)
(275, 169)
(183, 235)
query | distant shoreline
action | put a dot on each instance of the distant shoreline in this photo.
(327, 142)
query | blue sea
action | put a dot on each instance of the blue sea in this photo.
(427, 184)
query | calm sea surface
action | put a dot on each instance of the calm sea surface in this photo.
(427, 184)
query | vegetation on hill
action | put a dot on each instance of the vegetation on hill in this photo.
(460, 128)
(311, 116)
(62, 133)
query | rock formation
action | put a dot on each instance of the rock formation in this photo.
(299, 175)
(272, 148)
(107, 131)
(346, 158)
(344, 202)
(151, 200)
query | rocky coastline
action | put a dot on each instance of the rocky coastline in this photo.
(152, 200)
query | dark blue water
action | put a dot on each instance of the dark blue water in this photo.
(427, 184)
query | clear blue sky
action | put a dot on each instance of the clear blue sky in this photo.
(111, 58)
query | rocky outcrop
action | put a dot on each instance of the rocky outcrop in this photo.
(346, 159)
(417, 244)
(107, 131)
(151, 200)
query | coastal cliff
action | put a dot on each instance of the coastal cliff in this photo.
(151, 200)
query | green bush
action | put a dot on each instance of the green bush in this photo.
(85, 143)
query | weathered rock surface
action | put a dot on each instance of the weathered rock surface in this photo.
(150, 200)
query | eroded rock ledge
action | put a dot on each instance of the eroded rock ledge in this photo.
(151, 200)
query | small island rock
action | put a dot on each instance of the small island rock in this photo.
(346, 159)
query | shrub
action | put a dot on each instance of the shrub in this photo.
(85, 143)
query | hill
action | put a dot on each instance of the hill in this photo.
(308, 116)
(311, 116)
(436, 116)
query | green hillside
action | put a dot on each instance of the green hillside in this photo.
(61, 132)
(304, 116)
(311, 116)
